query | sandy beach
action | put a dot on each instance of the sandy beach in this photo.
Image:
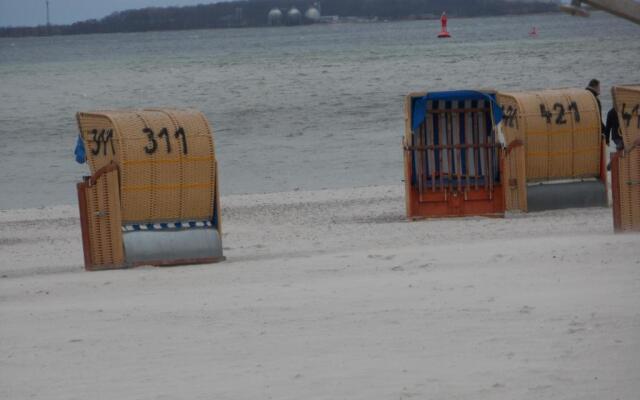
(329, 295)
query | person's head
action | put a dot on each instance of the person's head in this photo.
(594, 85)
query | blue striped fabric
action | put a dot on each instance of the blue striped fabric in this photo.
(167, 226)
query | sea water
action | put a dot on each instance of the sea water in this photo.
(293, 108)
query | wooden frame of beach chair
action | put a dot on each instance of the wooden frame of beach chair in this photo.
(153, 197)
(452, 156)
(100, 219)
(625, 164)
(562, 163)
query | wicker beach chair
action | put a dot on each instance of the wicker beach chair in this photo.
(625, 164)
(152, 198)
(562, 161)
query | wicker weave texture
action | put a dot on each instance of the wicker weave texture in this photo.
(514, 159)
(166, 160)
(515, 179)
(629, 182)
(104, 219)
(627, 103)
(97, 134)
(560, 129)
(587, 137)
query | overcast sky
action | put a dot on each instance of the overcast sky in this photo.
(33, 12)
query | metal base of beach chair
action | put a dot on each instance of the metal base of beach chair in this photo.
(553, 196)
(172, 247)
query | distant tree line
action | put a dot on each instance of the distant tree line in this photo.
(254, 13)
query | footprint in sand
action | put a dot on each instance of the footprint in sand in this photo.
(526, 310)
(381, 257)
(576, 327)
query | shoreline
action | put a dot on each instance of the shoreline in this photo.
(343, 21)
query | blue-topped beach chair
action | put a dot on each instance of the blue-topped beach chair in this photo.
(453, 154)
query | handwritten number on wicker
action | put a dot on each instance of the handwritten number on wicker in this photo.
(104, 137)
(181, 134)
(152, 142)
(165, 133)
(97, 141)
(561, 117)
(545, 114)
(511, 116)
(152, 146)
(636, 111)
(560, 120)
(576, 113)
(109, 139)
(627, 116)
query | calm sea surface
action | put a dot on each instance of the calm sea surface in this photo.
(306, 107)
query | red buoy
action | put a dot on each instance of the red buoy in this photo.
(443, 32)
(533, 32)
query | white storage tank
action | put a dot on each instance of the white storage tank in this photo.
(312, 14)
(274, 17)
(294, 17)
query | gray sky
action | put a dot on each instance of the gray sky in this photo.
(33, 12)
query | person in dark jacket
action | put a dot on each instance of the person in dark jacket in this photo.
(594, 88)
(612, 129)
